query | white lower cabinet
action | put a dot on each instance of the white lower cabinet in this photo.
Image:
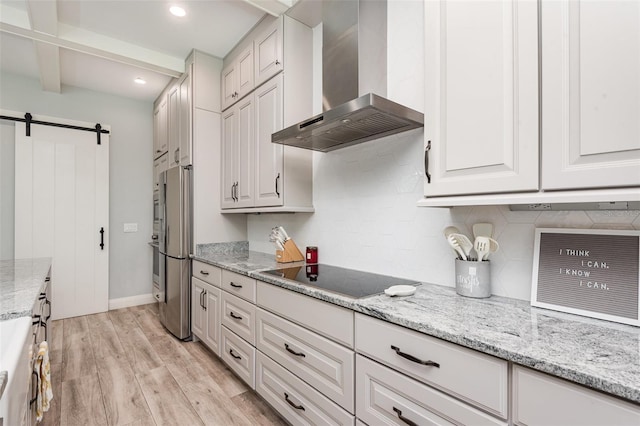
(479, 379)
(239, 316)
(325, 365)
(387, 397)
(239, 355)
(205, 313)
(540, 399)
(295, 400)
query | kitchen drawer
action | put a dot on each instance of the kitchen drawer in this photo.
(323, 364)
(331, 321)
(239, 285)
(480, 379)
(239, 356)
(239, 316)
(565, 403)
(207, 273)
(295, 400)
(384, 395)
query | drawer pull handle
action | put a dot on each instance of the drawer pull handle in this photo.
(286, 346)
(414, 359)
(234, 285)
(234, 316)
(297, 407)
(404, 419)
(234, 355)
(204, 272)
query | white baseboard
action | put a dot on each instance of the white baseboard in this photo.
(125, 302)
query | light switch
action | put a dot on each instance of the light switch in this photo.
(130, 227)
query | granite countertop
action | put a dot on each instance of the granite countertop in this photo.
(600, 354)
(20, 283)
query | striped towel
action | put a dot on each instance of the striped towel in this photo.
(43, 369)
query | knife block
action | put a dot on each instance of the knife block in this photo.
(291, 253)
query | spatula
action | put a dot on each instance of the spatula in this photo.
(482, 230)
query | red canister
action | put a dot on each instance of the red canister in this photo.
(312, 254)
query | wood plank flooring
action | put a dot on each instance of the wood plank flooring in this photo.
(124, 368)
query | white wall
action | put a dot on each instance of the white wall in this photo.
(365, 197)
(130, 169)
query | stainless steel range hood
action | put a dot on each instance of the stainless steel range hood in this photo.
(354, 77)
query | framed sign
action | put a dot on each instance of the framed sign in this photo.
(590, 272)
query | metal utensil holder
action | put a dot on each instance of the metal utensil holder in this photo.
(473, 278)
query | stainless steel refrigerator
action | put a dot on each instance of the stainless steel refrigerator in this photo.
(174, 249)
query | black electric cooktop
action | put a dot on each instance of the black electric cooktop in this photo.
(347, 282)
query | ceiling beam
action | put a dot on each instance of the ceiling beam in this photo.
(170, 66)
(43, 17)
(16, 22)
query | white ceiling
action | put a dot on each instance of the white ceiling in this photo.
(103, 45)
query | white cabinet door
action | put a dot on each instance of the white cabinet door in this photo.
(540, 399)
(245, 182)
(269, 156)
(268, 52)
(211, 337)
(160, 128)
(481, 109)
(173, 114)
(229, 160)
(156, 174)
(229, 87)
(244, 72)
(184, 144)
(590, 94)
(198, 312)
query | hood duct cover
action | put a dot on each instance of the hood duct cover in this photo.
(354, 81)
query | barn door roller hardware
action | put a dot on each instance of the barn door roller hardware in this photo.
(28, 120)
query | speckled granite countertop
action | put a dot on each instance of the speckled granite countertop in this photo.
(600, 354)
(20, 284)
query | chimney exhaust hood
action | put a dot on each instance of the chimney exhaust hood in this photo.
(354, 77)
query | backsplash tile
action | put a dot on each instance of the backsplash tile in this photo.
(366, 218)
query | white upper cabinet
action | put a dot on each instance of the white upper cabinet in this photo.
(160, 127)
(268, 52)
(590, 94)
(238, 154)
(237, 77)
(481, 104)
(269, 159)
(184, 140)
(258, 175)
(174, 125)
(486, 101)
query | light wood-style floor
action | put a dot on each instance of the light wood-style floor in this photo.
(124, 368)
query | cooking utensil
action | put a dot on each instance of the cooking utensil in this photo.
(483, 230)
(493, 247)
(450, 230)
(482, 246)
(464, 242)
(453, 242)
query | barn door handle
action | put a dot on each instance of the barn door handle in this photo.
(101, 238)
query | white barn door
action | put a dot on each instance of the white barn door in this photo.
(61, 204)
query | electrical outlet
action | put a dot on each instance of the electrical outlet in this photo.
(130, 227)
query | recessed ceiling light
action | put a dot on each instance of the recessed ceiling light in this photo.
(140, 81)
(177, 11)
